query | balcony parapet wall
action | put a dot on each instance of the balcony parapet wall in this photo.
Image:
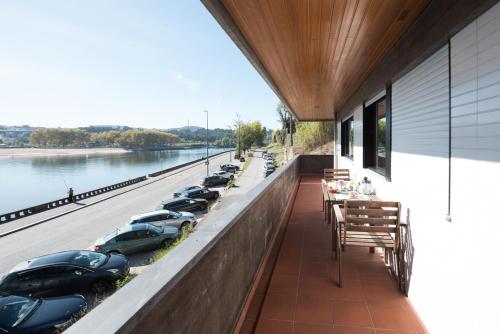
(202, 284)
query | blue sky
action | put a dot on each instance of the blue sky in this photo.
(153, 64)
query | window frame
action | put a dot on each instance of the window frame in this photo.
(371, 138)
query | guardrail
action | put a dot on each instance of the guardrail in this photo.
(7, 217)
(10, 216)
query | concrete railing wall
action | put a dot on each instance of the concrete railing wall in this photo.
(314, 164)
(202, 284)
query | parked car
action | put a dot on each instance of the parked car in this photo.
(268, 172)
(224, 174)
(204, 193)
(64, 273)
(183, 204)
(230, 168)
(242, 159)
(214, 180)
(136, 238)
(162, 218)
(180, 191)
(23, 315)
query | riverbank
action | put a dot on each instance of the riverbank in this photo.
(44, 152)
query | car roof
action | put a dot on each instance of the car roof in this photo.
(133, 227)
(183, 189)
(149, 214)
(193, 190)
(56, 258)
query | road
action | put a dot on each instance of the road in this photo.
(79, 229)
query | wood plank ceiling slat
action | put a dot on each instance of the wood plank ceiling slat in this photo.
(318, 52)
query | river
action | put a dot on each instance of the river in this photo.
(27, 181)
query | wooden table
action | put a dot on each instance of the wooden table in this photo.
(331, 199)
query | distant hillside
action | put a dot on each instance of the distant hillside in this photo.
(191, 128)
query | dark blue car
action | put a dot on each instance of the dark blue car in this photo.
(28, 315)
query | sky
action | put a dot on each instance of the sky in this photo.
(151, 64)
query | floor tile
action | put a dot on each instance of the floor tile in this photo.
(266, 326)
(284, 284)
(353, 330)
(312, 328)
(278, 307)
(351, 313)
(314, 310)
(391, 316)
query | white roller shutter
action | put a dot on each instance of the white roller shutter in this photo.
(420, 131)
(475, 82)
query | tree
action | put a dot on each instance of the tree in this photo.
(285, 117)
(313, 134)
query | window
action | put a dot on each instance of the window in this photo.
(376, 147)
(347, 138)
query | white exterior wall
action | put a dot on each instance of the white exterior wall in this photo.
(456, 269)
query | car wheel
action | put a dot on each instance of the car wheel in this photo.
(216, 196)
(231, 177)
(100, 287)
(167, 243)
(185, 226)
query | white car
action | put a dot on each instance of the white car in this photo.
(162, 218)
(224, 174)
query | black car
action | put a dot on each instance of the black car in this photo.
(21, 315)
(242, 159)
(183, 204)
(204, 193)
(230, 168)
(182, 190)
(65, 273)
(214, 180)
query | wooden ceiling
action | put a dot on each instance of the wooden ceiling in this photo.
(318, 52)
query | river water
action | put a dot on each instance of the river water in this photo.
(28, 181)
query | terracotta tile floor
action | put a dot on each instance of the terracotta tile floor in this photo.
(300, 294)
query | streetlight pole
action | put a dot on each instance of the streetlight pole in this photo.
(206, 162)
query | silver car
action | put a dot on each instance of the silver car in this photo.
(162, 218)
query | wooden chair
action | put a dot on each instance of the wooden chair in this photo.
(326, 201)
(330, 174)
(368, 224)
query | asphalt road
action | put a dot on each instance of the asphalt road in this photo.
(79, 229)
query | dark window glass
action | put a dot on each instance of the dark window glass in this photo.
(347, 138)
(141, 234)
(381, 141)
(126, 236)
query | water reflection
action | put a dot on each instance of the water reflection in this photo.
(26, 181)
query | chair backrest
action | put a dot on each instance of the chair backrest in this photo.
(372, 216)
(330, 174)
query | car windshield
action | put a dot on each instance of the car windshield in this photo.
(89, 259)
(15, 310)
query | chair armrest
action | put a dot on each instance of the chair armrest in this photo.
(338, 214)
